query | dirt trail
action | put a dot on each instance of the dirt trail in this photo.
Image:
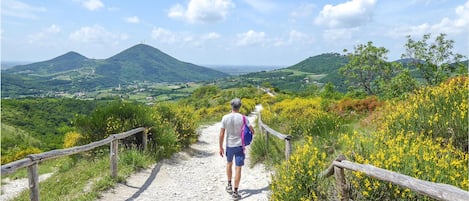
(195, 174)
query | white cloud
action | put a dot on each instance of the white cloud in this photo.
(19, 9)
(304, 10)
(96, 35)
(251, 38)
(261, 5)
(133, 20)
(333, 35)
(44, 36)
(163, 35)
(202, 10)
(294, 38)
(346, 15)
(211, 35)
(447, 25)
(93, 4)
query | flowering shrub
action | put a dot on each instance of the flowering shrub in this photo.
(298, 178)
(424, 136)
(20, 154)
(434, 111)
(300, 116)
(71, 139)
(420, 137)
(348, 105)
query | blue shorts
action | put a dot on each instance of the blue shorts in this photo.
(237, 153)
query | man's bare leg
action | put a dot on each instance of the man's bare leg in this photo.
(229, 171)
(237, 177)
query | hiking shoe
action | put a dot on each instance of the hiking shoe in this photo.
(236, 195)
(229, 188)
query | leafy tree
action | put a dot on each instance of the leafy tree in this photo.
(368, 67)
(329, 92)
(399, 85)
(434, 60)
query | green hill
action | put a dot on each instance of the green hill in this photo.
(73, 72)
(319, 69)
(143, 62)
(66, 62)
(321, 64)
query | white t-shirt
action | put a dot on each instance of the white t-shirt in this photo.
(233, 123)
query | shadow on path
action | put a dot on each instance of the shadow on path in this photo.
(147, 183)
(245, 193)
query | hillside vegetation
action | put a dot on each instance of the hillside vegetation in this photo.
(72, 72)
(416, 126)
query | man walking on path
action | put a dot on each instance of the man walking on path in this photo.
(231, 124)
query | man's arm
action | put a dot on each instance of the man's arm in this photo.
(220, 141)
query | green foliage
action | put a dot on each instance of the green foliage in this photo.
(45, 119)
(368, 67)
(298, 178)
(399, 86)
(16, 141)
(182, 119)
(313, 122)
(72, 72)
(85, 179)
(116, 117)
(439, 111)
(321, 64)
(434, 60)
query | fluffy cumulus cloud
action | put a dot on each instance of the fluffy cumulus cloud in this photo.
(163, 35)
(202, 10)
(456, 25)
(251, 38)
(133, 20)
(211, 36)
(93, 4)
(45, 36)
(294, 38)
(96, 35)
(19, 9)
(350, 14)
(334, 35)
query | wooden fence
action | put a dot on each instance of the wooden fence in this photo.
(434, 190)
(264, 128)
(32, 161)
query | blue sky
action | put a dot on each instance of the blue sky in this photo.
(232, 32)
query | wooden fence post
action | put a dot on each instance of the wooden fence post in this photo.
(113, 153)
(144, 140)
(287, 148)
(342, 189)
(341, 183)
(33, 182)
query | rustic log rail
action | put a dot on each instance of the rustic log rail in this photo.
(264, 128)
(434, 190)
(32, 161)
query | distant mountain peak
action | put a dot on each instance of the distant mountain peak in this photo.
(141, 51)
(70, 56)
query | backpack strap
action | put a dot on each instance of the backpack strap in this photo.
(242, 132)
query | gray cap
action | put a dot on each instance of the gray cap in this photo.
(235, 103)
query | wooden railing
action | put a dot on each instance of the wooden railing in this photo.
(264, 128)
(32, 161)
(434, 190)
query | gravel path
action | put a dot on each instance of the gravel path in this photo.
(197, 173)
(12, 188)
